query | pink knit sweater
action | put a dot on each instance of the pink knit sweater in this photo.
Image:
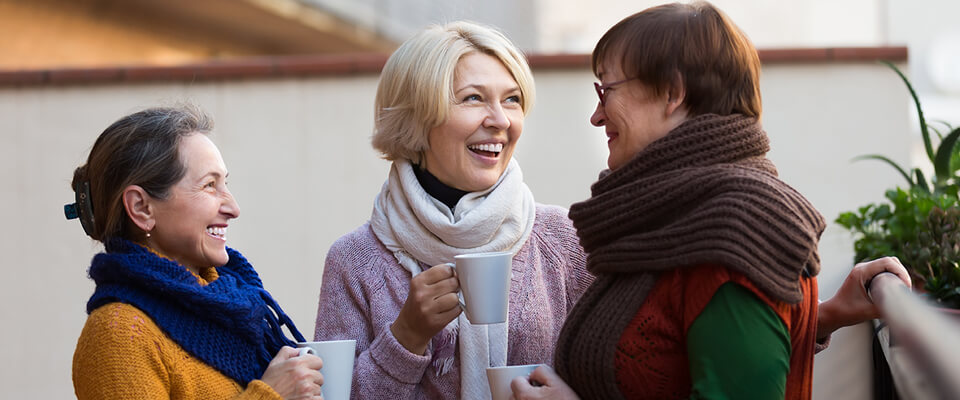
(364, 288)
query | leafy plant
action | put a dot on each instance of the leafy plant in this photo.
(918, 224)
(936, 252)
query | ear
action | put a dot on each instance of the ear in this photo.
(676, 95)
(139, 207)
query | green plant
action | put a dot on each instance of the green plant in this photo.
(918, 223)
(936, 252)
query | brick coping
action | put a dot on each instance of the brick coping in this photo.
(356, 64)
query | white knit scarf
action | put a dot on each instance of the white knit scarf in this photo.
(421, 230)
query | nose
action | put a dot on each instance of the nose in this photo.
(599, 117)
(496, 118)
(229, 206)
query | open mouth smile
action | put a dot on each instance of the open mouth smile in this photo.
(217, 232)
(487, 149)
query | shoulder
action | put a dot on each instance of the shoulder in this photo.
(698, 285)
(357, 252)
(553, 233)
(120, 321)
(552, 221)
(361, 242)
(122, 354)
(547, 213)
(119, 338)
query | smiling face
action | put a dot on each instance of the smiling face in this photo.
(191, 223)
(473, 146)
(633, 116)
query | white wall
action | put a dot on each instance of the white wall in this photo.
(304, 173)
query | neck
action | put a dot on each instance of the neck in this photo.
(153, 249)
(448, 195)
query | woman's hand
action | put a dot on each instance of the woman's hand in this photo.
(550, 386)
(851, 305)
(294, 376)
(431, 304)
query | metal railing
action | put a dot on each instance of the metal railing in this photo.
(929, 339)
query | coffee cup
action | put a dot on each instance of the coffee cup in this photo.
(499, 379)
(484, 285)
(337, 370)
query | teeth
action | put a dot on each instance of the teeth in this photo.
(217, 231)
(489, 147)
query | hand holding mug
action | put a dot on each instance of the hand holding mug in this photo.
(431, 304)
(549, 385)
(294, 376)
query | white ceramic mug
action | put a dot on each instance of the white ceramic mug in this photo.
(499, 379)
(337, 370)
(485, 285)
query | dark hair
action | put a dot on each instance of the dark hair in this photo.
(696, 43)
(139, 149)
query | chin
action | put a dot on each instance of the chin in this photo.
(483, 184)
(219, 260)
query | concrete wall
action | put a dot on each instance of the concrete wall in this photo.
(304, 174)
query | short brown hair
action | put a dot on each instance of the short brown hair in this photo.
(141, 149)
(697, 43)
(416, 85)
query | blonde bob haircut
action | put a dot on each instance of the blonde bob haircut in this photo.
(415, 92)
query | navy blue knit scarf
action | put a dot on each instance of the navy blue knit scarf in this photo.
(231, 324)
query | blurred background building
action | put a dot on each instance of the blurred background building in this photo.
(291, 85)
(89, 33)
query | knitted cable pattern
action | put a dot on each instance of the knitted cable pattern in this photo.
(702, 194)
(232, 323)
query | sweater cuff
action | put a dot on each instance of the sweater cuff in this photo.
(260, 390)
(396, 360)
(821, 344)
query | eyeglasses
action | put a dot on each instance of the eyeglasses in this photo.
(602, 89)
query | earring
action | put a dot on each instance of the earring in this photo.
(148, 234)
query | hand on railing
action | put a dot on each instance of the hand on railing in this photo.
(851, 304)
(924, 335)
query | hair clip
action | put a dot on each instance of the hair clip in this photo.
(82, 208)
(70, 211)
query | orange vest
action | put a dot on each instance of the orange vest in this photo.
(651, 358)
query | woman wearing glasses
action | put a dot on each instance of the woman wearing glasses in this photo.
(449, 111)
(705, 261)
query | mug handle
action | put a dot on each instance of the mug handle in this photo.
(460, 292)
(305, 351)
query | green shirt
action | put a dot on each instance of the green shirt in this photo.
(738, 348)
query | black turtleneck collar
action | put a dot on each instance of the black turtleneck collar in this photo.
(439, 190)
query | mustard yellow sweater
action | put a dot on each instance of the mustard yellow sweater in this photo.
(123, 354)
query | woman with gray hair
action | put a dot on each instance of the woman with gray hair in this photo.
(449, 111)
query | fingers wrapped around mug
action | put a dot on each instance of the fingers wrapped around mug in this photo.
(431, 304)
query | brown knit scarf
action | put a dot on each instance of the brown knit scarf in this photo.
(704, 193)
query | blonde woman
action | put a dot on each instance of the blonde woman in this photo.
(449, 111)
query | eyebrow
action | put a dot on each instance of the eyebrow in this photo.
(215, 174)
(481, 87)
